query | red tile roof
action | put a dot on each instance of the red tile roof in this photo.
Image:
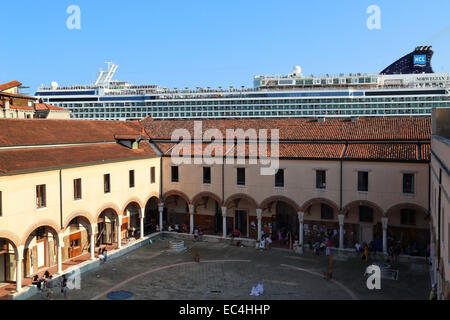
(387, 151)
(21, 132)
(9, 85)
(44, 106)
(307, 129)
(12, 160)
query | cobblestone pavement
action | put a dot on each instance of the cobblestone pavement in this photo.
(152, 272)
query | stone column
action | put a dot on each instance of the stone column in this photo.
(341, 231)
(59, 254)
(161, 209)
(119, 236)
(92, 240)
(384, 222)
(141, 227)
(301, 216)
(19, 259)
(191, 221)
(224, 219)
(259, 217)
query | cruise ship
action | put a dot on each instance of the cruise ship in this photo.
(407, 87)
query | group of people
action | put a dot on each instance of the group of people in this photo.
(176, 228)
(265, 243)
(46, 284)
(317, 246)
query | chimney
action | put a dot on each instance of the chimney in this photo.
(355, 119)
(6, 104)
(321, 119)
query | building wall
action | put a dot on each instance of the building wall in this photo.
(21, 217)
(440, 163)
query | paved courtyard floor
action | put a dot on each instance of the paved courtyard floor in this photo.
(228, 272)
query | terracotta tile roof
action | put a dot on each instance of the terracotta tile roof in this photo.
(387, 151)
(167, 148)
(44, 158)
(20, 132)
(9, 85)
(44, 106)
(307, 129)
(425, 152)
(14, 95)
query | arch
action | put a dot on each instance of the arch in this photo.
(240, 196)
(206, 194)
(130, 201)
(176, 193)
(356, 203)
(314, 201)
(287, 200)
(43, 223)
(11, 237)
(150, 196)
(76, 214)
(405, 205)
(108, 205)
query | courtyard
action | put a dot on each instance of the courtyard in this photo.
(228, 272)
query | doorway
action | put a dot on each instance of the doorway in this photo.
(240, 221)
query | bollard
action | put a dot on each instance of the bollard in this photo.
(196, 255)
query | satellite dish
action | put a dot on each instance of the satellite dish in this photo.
(54, 85)
(297, 70)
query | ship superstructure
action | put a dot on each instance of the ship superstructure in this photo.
(407, 87)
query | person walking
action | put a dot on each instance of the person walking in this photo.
(328, 249)
(433, 293)
(64, 286)
(49, 286)
(366, 251)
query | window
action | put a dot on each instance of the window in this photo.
(279, 178)
(326, 212)
(131, 174)
(408, 217)
(321, 182)
(152, 175)
(40, 196)
(240, 176)
(76, 189)
(408, 183)
(207, 175)
(363, 181)
(107, 183)
(175, 177)
(365, 214)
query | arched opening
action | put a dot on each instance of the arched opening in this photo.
(40, 250)
(283, 226)
(320, 221)
(151, 215)
(131, 223)
(106, 228)
(208, 215)
(241, 211)
(76, 238)
(176, 213)
(408, 229)
(363, 224)
(7, 261)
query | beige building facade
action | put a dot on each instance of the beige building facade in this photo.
(440, 202)
(82, 185)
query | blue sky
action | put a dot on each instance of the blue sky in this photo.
(213, 43)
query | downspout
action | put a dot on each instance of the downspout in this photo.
(60, 200)
(340, 187)
(160, 179)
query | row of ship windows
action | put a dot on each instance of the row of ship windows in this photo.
(251, 113)
(281, 108)
(285, 107)
(257, 102)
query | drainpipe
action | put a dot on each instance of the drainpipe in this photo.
(60, 200)
(160, 178)
(340, 188)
